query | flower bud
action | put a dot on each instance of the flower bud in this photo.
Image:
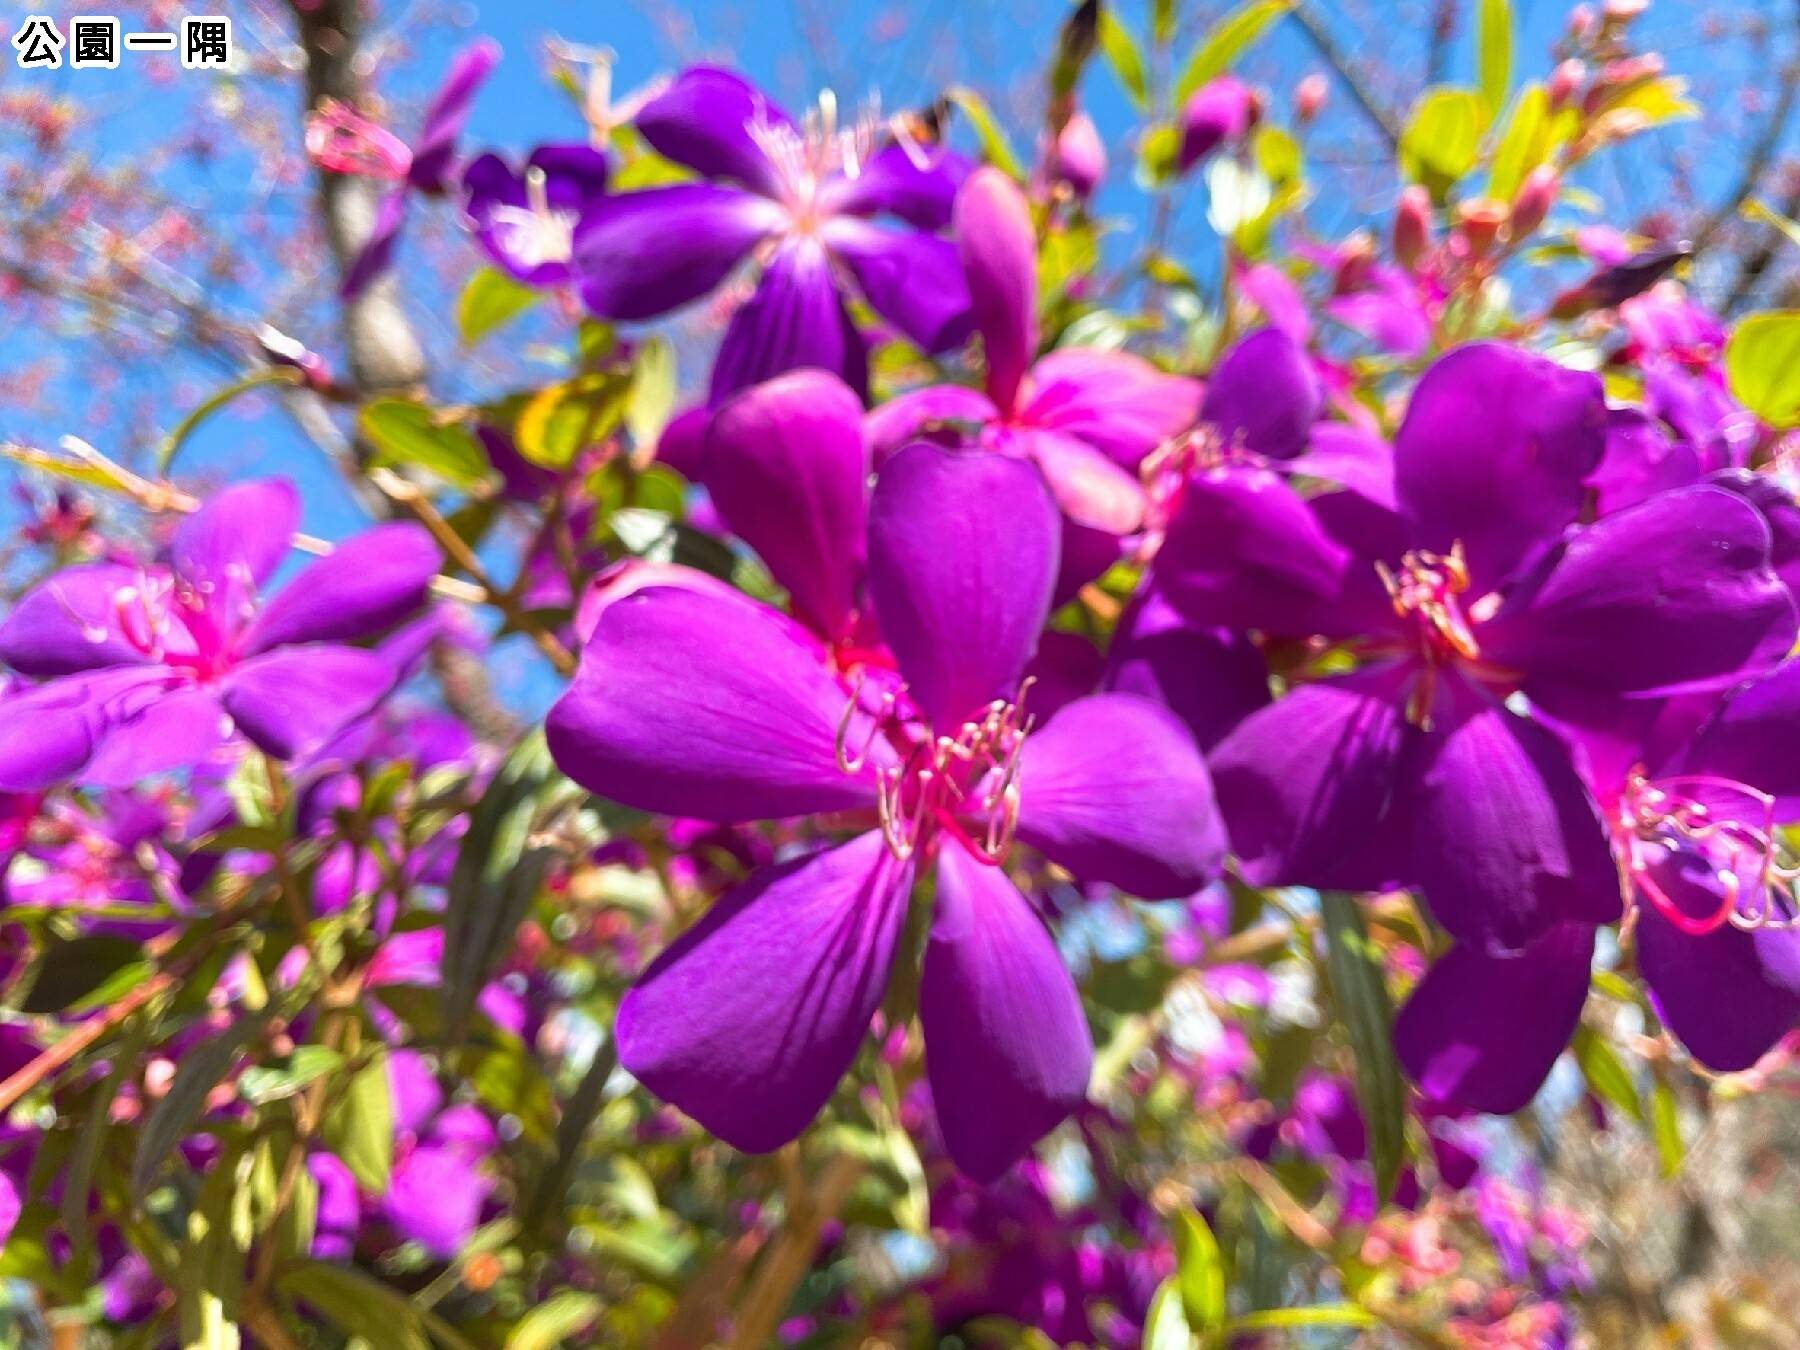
(1623, 11)
(1583, 22)
(1412, 226)
(1536, 196)
(1479, 222)
(1219, 111)
(1309, 97)
(1356, 255)
(1077, 156)
(1564, 81)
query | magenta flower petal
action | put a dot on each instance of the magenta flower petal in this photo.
(704, 120)
(74, 620)
(290, 700)
(434, 1197)
(371, 582)
(500, 202)
(48, 733)
(1754, 738)
(1728, 995)
(1116, 402)
(1210, 678)
(926, 412)
(1007, 1048)
(1506, 840)
(641, 254)
(998, 245)
(154, 730)
(1674, 593)
(448, 113)
(1482, 1032)
(1113, 789)
(912, 280)
(1307, 783)
(962, 558)
(377, 253)
(696, 704)
(794, 318)
(1264, 395)
(788, 471)
(1640, 461)
(1089, 486)
(1494, 452)
(918, 186)
(1356, 460)
(751, 1017)
(239, 536)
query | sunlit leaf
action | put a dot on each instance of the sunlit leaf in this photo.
(201, 1069)
(1442, 138)
(489, 301)
(1761, 361)
(1360, 990)
(561, 1316)
(1166, 1327)
(994, 146)
(1199, 1272)
(1125, 58)
(652, 398)
(1665, 1129)
(1227, 40)
(359, 1125)
(358, 1305)
(1493, 52)
(1607, 1078)
(409, 435)
(559, 422)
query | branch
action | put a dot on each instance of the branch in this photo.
(1334, 57)
(1762, 152)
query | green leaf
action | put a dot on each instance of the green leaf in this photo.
(1166, 1327)
(261, 1084)
(358, 1305)
(1761, 211)
(1199, 1272)
(994, 146)
(1126, 60)
(1074, 45)
(1762, 365)
(1665, 1129)
(1607, 1078)
(1227, 40)
(491, 300)
(1524, 146)
(74, 973)
(1359, 987)
(201, 1070)
(564, 1314)
(559, 422)
(408, 434)
(1442, 138)
(359, 1126)
(652, 392)
(1278, 155)
(1324, 1315)
(1159, 150)
(1493, 52)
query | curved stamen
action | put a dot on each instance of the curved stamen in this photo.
(1425, 589)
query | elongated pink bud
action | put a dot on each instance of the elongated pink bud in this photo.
(1564, 81)
(1412, 226)
(994, 234)
(1078, 156)
(1536, 196)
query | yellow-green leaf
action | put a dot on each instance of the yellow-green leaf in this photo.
(1493, 53)
(1199, 1272)
(1607, 1078)
(550, 1323)
(409, 434)
(1762, 365)
(1660, 100)
(1166, 1327)
(994, 146)
(490, 300)
(358, 1305)
(1123, 56)
(1665, 1129)
(559, 422)
(652, 392)
(1442, 138)
(1359, 988)
(1760, 211)
(1524, 146)
(359, 1126)
(1227, 40)
(1322, 1315)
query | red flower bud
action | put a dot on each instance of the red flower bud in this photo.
(1412, 226)
(1536, 196)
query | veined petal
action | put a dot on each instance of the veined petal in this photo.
(1091, 488)
(291, 700)
(1007, 1048)
(923, 413)
(998, 245)
(918, 186)
(695, 704)
(751, 1017)
(72, 621)
(155, 730)
(705, 120)
(794, 318)
(788, 472)
(47, 733)
(240, 535)
(1116, 402)
(641, 254)
(1495, 452)
(1208, 677)
(1640, 461)
(962, 558)
(1113, 789)
(1264, 395)
(369, 583)
(1674, 593)
(1356, 460)
(1482, 1032)
(1754, 738)
(912, 279)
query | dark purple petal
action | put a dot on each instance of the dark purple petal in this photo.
(1007, 1048)
(795, 318)
(1211, 679)
(1639, 462)
(962, 558)
(1728, 995)
(1116, 402)
(751, 1017)
(240, 535)
(1264, 395)
(1495, 452)
(72, 621)
(998, 246)
(533, 246)
(1482, 1032)
(697, 704)
(918, 185)
(376, 255)
(435, 150)
(1771, 496)
(1306, 784)
(788, 471)
(927, 413)
(1113, 789)
(1507, 842)
(1089, 486)
(1218, 111)
(155, 731)
(1754, 738)
(704, 119)
(1673, 593)
(48, 733)
(434, 1198)
(291, 700)
(912, 280)
(1067, 667)
(368, 584)
(641, 254)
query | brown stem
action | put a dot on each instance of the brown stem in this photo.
(790, 1256)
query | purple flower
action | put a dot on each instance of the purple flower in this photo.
(1416, 767)
(148, 669)
(339, 140)
(1087, 417)
(798, 197)
(703, 704)
(526, 219)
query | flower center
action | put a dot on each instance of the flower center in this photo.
(341, 140)
(965, 784)
(535, 234)
(1424, 591)
(805, 157)
(1729, 826)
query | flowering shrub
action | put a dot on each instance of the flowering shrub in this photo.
(1086, 800)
